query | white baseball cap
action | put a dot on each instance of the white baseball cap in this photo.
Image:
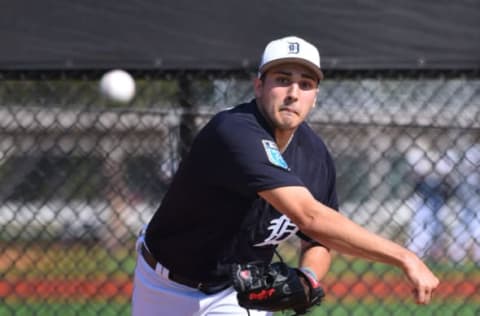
(290, 49)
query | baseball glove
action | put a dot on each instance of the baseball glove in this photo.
(275, 287)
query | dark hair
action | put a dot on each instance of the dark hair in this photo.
(262, 76)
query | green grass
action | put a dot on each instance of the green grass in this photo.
(440, 309)
(65, 309)
(330, 309)
(50, 261)
(78, 260)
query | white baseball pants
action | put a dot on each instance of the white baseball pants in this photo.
(154, 294)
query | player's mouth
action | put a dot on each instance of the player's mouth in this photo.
(288, 111)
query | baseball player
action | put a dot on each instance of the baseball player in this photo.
(256, 175)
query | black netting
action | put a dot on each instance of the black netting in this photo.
(79, 176)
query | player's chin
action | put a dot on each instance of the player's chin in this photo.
(287, 122)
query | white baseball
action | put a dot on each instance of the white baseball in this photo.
(118, 85)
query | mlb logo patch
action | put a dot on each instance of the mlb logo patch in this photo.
(273, 154)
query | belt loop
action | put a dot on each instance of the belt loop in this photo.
(159, 269)
(141, 238)
(162, 271)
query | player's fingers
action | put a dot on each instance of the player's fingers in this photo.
(428, 296)
(429, 290)
(423, 296)
(419, 295)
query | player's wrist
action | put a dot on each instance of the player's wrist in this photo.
(312, 286)
(309, 272)
(407, 260)
(310, 276)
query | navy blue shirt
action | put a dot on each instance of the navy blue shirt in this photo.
(212, 216)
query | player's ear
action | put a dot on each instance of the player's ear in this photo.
(258, 86)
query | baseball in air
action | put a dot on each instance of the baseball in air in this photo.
(117, 85)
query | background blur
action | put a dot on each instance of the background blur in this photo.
(80, 175)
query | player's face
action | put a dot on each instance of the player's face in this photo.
(286, 95)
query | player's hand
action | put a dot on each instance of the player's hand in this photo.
(423, 280)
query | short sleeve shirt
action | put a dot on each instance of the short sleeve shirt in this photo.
(212, 216)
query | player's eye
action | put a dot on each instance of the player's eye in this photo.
(282, 80)
(307, 85)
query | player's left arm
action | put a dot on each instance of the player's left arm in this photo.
(315, 257)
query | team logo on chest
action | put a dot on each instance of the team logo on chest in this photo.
(273, 154)
(280, 229)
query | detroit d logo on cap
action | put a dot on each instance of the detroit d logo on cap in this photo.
(293, 48)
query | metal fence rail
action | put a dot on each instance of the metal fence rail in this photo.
(80, 175)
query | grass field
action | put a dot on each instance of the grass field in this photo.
(328, 308)
(65, 309)
(78, 279)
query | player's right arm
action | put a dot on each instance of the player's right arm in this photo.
(336, 231)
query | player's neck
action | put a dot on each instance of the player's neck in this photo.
(283, 139)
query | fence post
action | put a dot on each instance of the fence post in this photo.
(187, 118)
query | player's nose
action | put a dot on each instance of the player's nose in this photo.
(292, 93)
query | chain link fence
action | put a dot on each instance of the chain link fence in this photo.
(79, 176)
